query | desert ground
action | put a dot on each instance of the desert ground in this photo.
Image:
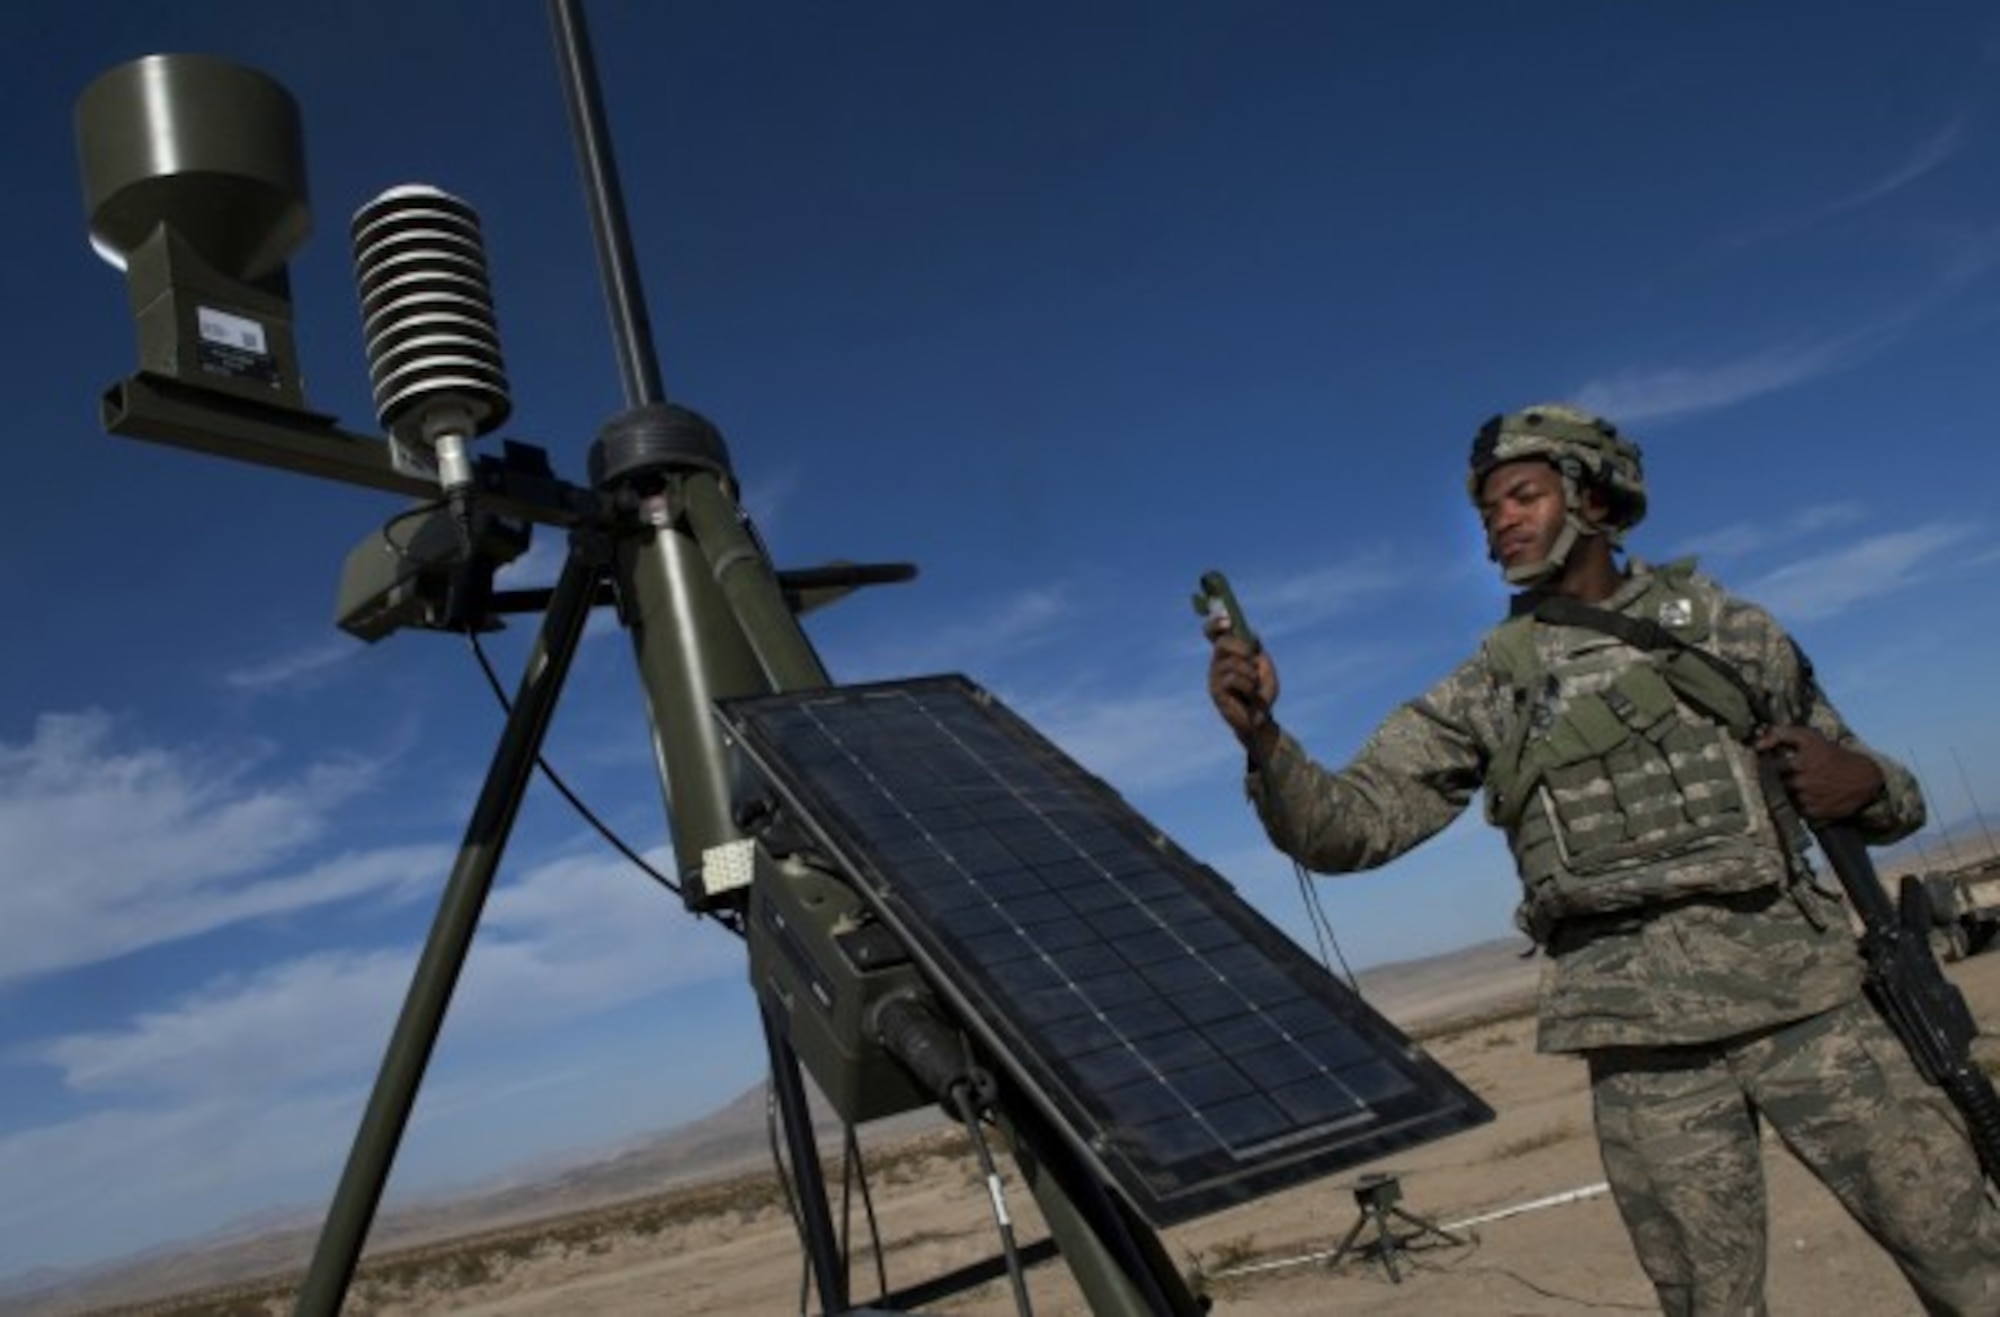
(1532, 1231)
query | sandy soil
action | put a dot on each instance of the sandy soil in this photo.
(1522, 1194)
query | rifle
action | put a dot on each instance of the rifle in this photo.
(1925, 1009)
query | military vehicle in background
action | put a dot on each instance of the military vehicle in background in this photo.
(1965, 906)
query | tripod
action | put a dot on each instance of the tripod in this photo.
(1377, 1195)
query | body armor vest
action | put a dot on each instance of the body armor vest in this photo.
(1625, 778)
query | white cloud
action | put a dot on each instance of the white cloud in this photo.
(1832, 583)
(1922, 160)
(1017, 624)
(187, 1168)
(1310, 598)
(1636, 395)
(569, 939)
(1750, 536)
(1139, 742)
(113, 849)
(1641, 394)
(307, 666)
(234, 1027)
(772, 494)
(1146, 726)
(245, 1091)
(539, 566)
(581, 935)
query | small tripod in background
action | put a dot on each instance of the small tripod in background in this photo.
(1377, 1195)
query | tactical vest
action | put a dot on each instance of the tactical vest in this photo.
(1625, 778)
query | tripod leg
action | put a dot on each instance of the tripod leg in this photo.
(1386, 1242)
(1347, 1241)
(815, 1216)
(1427, 1227)
(409, 1051)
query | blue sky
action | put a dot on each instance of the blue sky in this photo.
(1065, 303)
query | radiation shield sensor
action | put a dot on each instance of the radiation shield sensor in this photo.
(1189, 1049)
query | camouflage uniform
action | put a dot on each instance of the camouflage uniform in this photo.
(1725, 993)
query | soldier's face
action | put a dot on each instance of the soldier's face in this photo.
(1521, 507)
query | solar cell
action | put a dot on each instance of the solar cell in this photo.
(1193, 1052)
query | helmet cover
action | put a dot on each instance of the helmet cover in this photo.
(1587, 449)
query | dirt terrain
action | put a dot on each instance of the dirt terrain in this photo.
(1522, 1196)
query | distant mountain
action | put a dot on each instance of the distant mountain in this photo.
(728, 1141)
(733, 1139)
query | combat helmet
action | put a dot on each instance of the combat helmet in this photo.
(1587, 450)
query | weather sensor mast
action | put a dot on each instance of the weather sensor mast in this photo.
(937, 905)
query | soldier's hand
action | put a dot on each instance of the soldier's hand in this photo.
(1243, 683)
(1827, 782)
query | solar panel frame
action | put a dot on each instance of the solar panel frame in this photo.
(1194, 1053)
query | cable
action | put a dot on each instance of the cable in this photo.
(728, 919)
(1322, 927)
(962, 1098)
(784, 1174)
(424, 509)
(1329, 944)
(855, 1170)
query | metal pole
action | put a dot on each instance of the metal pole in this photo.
(639, 365)
(696, 634)
(410, 1046)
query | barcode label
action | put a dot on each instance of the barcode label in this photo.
(232, 331)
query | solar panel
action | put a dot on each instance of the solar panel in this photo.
(1197, 1054)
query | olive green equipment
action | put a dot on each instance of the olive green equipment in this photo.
(201, 208)
(194, 184)
(1213, 598)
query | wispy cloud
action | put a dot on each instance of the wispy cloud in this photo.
(539, 566)
(1153, 728)
(1747, 537)
(1650, 393)
(581, 934)
(772, 497)
(1924, 158)
(242, 1091)
(1829, 584)
(1647, 393)
(1315, 596)
(569, 939)
(995, 634)
(238, 1026)
(308, 665)
(1138, 741)
(134, 847)
(128, 1171)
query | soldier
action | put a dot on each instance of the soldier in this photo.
(1694, 962)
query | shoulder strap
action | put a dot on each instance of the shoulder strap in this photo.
(1644, 633)
(1510, 648)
